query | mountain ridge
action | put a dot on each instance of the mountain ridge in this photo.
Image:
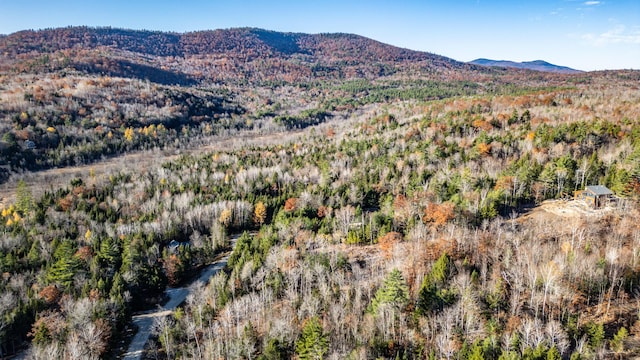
(266, 42)
(234, 55)
(221, 56)
(536, 65)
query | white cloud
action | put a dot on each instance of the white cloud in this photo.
(591, 3)
(617, 35)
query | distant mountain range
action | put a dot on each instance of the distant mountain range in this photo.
(248, 43)
(238, 55)
(537, 65)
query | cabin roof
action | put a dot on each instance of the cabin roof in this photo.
(599, 190)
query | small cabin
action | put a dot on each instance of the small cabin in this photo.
(596, 196)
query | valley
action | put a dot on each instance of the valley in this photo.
(388, 203)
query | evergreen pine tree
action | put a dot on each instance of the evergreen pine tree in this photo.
(433, 295)
(313, 343)
(394, 292)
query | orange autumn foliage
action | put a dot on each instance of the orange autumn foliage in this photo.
(291, 204)
(388, 242)
(50, 294)
(482, 125)
(437, 215)
(484, 149)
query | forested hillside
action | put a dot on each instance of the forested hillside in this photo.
(247, 42)
(230, 55)
(390, 214)
(75, 95)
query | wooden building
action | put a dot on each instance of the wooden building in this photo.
(595, 195)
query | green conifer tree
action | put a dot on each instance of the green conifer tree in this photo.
(394, 292)
(313, 343)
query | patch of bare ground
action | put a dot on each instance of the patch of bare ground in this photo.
(568, 209)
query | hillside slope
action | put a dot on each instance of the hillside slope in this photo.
(237, 41)
(219, 55)
(69, 96)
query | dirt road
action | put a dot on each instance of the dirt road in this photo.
(177, 296)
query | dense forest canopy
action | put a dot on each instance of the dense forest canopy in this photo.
(382, 203)
(228, 42)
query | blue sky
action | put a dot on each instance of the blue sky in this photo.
(583, 34)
